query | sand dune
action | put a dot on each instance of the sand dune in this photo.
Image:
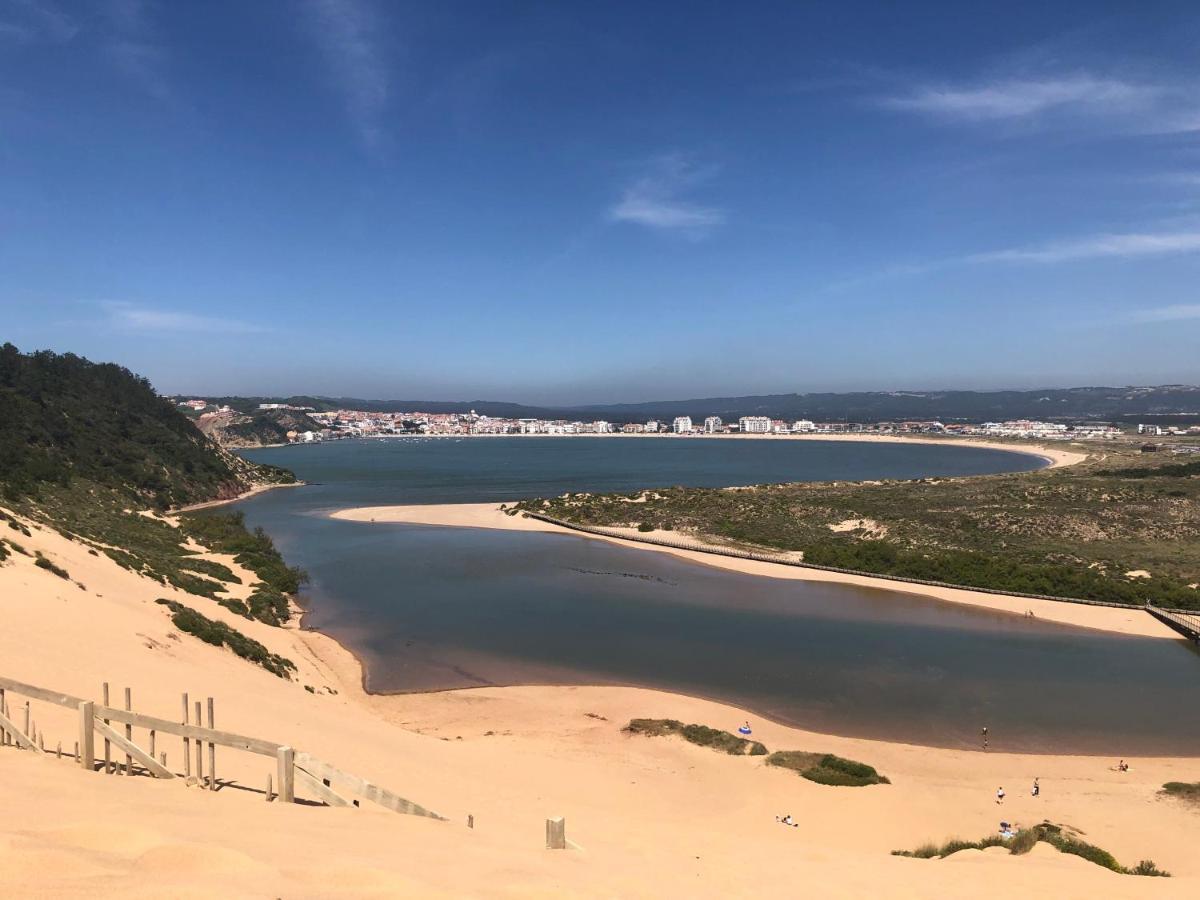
(652, 816)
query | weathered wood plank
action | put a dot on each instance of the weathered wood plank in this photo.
(318, 787)
(21, 739)
(196, 732)
(37, 693)
(362, 788)
(133, 750)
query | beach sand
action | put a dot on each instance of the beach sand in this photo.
(650, 816)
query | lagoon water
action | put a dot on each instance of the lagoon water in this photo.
(435, 608)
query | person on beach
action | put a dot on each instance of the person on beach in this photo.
(1037, 788)
(999, 795)
(1122, 766)
(984, 735)
(745, 729)
(787, 820)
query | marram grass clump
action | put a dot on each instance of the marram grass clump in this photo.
(825, 768)
(700, 735)
(219, 634)
(1063, 839)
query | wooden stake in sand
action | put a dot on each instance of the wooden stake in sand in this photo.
(85, 750)
(107, 746)
(556, 834)
(286, 764)
(199, 750)
(187, 745)
(129, 731)
(212, 751)
(269, 798)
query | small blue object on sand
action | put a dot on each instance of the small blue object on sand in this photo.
(745, 729)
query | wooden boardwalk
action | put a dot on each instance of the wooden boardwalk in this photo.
(1187, 624)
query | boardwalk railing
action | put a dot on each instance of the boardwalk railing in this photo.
(292, 767)
(697, 547)
(1186, 623)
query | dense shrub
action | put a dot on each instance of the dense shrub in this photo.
(219, 634)
(42, 563)
(1183, 790)
(64, 418)
(825, 768)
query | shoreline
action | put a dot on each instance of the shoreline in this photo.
(1132, 621)
(1055, 457)
(244, 495)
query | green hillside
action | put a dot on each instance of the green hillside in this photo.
(65, 419)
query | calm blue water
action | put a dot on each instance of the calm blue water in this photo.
(433, 608)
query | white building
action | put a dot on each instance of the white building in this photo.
(652, 427)
(601, 427)
(683, 425)
(712, 424)
(803, 426)
(755, 425)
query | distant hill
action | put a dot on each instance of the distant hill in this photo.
(64, 419)
(1075, 404)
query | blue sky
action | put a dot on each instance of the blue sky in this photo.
(555, 202)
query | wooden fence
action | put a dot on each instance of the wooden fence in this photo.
(293, 768)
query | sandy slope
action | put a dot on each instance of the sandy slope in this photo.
(489, 515)
(652, 816)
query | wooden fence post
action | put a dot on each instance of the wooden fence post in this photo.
(107, 746)
(187, 746)
(128, 731)
(3, 731)
(556, 834)
(212, 751)
(286, 765)
(269, 787)
(199, 750)
(86, 748)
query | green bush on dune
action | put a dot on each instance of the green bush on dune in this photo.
(825, 768)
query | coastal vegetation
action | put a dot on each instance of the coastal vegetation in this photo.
(701, 735)
(1183, 790)
(66, 420)
(219, 634)
(1062, 838)
(92, 452)
(1123, 527)
(825, 768)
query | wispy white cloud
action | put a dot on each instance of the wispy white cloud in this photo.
(1176, 313)
(1099, 246)
(32, 20)
(1134, 105)
(131, 317)
(1014, 98)
(132, 45)
(346, 32)
(1092, 247)
(654, 200)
